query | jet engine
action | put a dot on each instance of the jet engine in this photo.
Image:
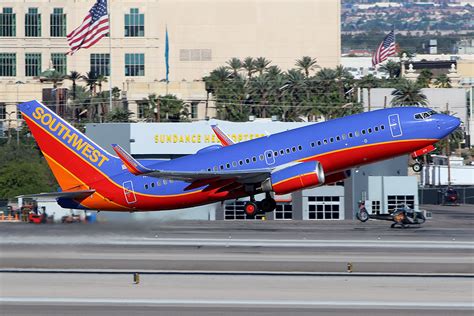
(293, 178)
(338, 176)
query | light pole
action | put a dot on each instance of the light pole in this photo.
(9, 114)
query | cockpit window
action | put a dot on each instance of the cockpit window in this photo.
(424, 115)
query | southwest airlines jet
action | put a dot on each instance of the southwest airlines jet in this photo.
(314, 155)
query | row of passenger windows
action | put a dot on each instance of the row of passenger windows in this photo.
(158, 183)
(254, 159)
(348, 135)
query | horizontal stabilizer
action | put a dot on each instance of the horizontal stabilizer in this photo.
(67, 194)
(132, 165)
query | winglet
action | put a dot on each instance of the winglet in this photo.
(225, 140)
(132, 165)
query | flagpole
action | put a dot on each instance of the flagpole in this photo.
(110, 57)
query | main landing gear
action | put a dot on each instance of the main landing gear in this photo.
(252, 207)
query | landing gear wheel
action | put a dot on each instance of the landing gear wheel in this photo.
(417, 167)
(251, 209)
(268, 205)
(363, 215)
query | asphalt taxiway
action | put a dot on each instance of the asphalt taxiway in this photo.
(254, 268)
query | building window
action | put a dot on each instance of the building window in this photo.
(7, 64)
(324, 207)
(58, 23)
(284, 211)
(3, 111)
(59, 62)
(134, 65)
(195, 55)
(32, 23)
(32, 64)
(194, 110)
(100, 64)
(7, 22)
(375, 207)
(394, 201)
(134, 23)
(235, 210)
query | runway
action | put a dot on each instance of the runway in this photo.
(240, 268)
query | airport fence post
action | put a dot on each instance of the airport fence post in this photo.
(136, 278)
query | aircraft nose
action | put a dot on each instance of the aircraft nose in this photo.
(447, 124)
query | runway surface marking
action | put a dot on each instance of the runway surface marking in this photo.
(394, 304)
(226, 242)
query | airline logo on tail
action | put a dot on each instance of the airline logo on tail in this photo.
(54, 126)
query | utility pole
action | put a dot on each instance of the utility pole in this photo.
(448, 151)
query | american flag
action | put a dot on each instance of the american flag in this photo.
(385, 49)
(94, 26)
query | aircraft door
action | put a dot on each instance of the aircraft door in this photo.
(128, 192)
(269, 157)
(395, 127)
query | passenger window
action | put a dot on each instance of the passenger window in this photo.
(165, 182)
(293, 148)
(146, 186)
(356, 133)
(275, 153)
(241, 162)
(325, 141)
(269, 155)
(228, 166)
(350, 135)
(208, 169)
(312, 144)
(338, 138)
(300, 147)
(158, 183)
(234, 163)
(369, 130)
(319, 143)
(261, 157)
(288, 150)
(363, 132)
(215, 168)
(153, 184)
(282, 152)
(331, 139)
(382, 127)
(247, 161)
(376, 129)
(222, 167)
(344, 136)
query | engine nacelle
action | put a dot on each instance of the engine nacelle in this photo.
(294, 178)
(336, 177)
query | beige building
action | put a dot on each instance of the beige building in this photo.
(203, 35)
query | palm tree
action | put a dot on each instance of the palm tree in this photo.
(235, 65)
(343, 79)
(424, 79)
(55, 77)
(259, 90)
(369, 81)
(306, 64)
(409, 94)
(392, 68)
(261, 63)
(443, 81)
(101, 79)
(91, 81)
(273, 71)
(74, 76)
(249, 66)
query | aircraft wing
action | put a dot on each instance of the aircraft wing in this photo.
(242, 176)
(67, 194)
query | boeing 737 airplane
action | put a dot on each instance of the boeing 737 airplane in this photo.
(314, 155)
